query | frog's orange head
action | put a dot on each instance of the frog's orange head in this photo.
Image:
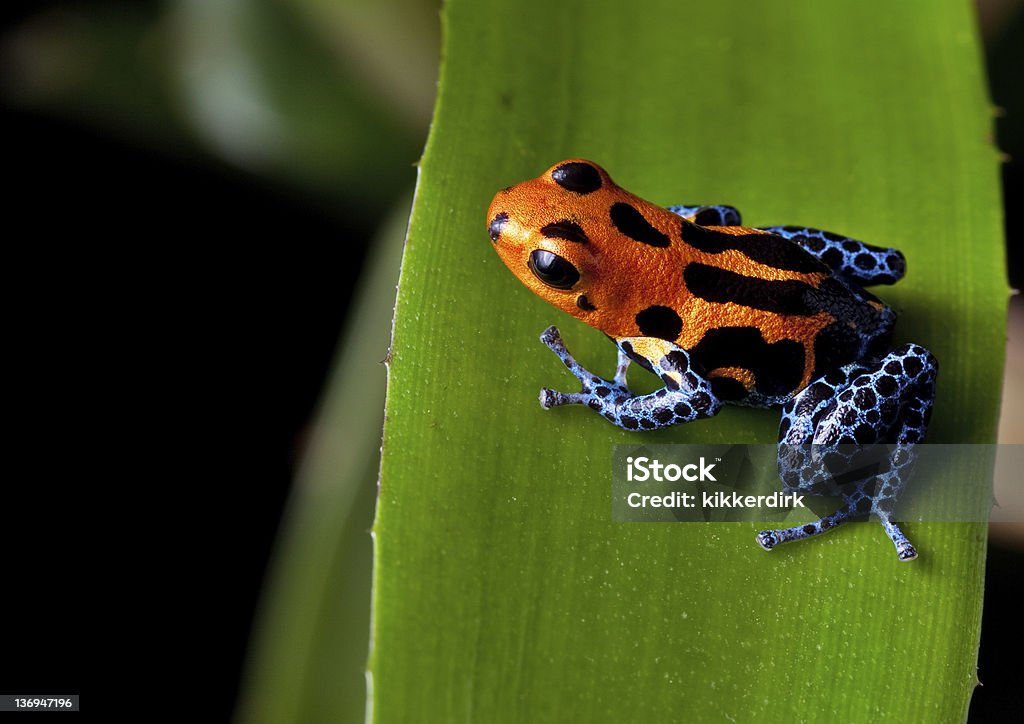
(538, 229)
(560, 234)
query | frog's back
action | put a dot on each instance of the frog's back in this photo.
(767, 338)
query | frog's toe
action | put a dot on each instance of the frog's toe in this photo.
(553, 398)
(906, 552)
(550, 398)
(768, 539)
(552, 338)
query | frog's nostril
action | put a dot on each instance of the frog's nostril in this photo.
(494, 228)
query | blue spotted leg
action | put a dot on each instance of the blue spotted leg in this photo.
(889, 401)
(686, 396)
(854, 260)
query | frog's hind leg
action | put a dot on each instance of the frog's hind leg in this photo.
(798, 471)
(889, 401)
(856, 507)
(854, 260)
(708, 215)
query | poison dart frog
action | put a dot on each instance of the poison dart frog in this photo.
(722, 313)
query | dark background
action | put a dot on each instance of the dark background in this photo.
(168, 333)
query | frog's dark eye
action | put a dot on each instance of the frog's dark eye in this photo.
(552, 269)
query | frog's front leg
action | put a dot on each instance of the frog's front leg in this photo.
(889, 401)
(708, 215)
(686, 395)
(854, 260)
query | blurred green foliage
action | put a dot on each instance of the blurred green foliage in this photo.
(329, 99)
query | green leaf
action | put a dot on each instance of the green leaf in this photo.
(503, 591)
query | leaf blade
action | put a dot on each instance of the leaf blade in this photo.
(494, 515)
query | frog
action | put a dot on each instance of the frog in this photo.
(767, 317)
